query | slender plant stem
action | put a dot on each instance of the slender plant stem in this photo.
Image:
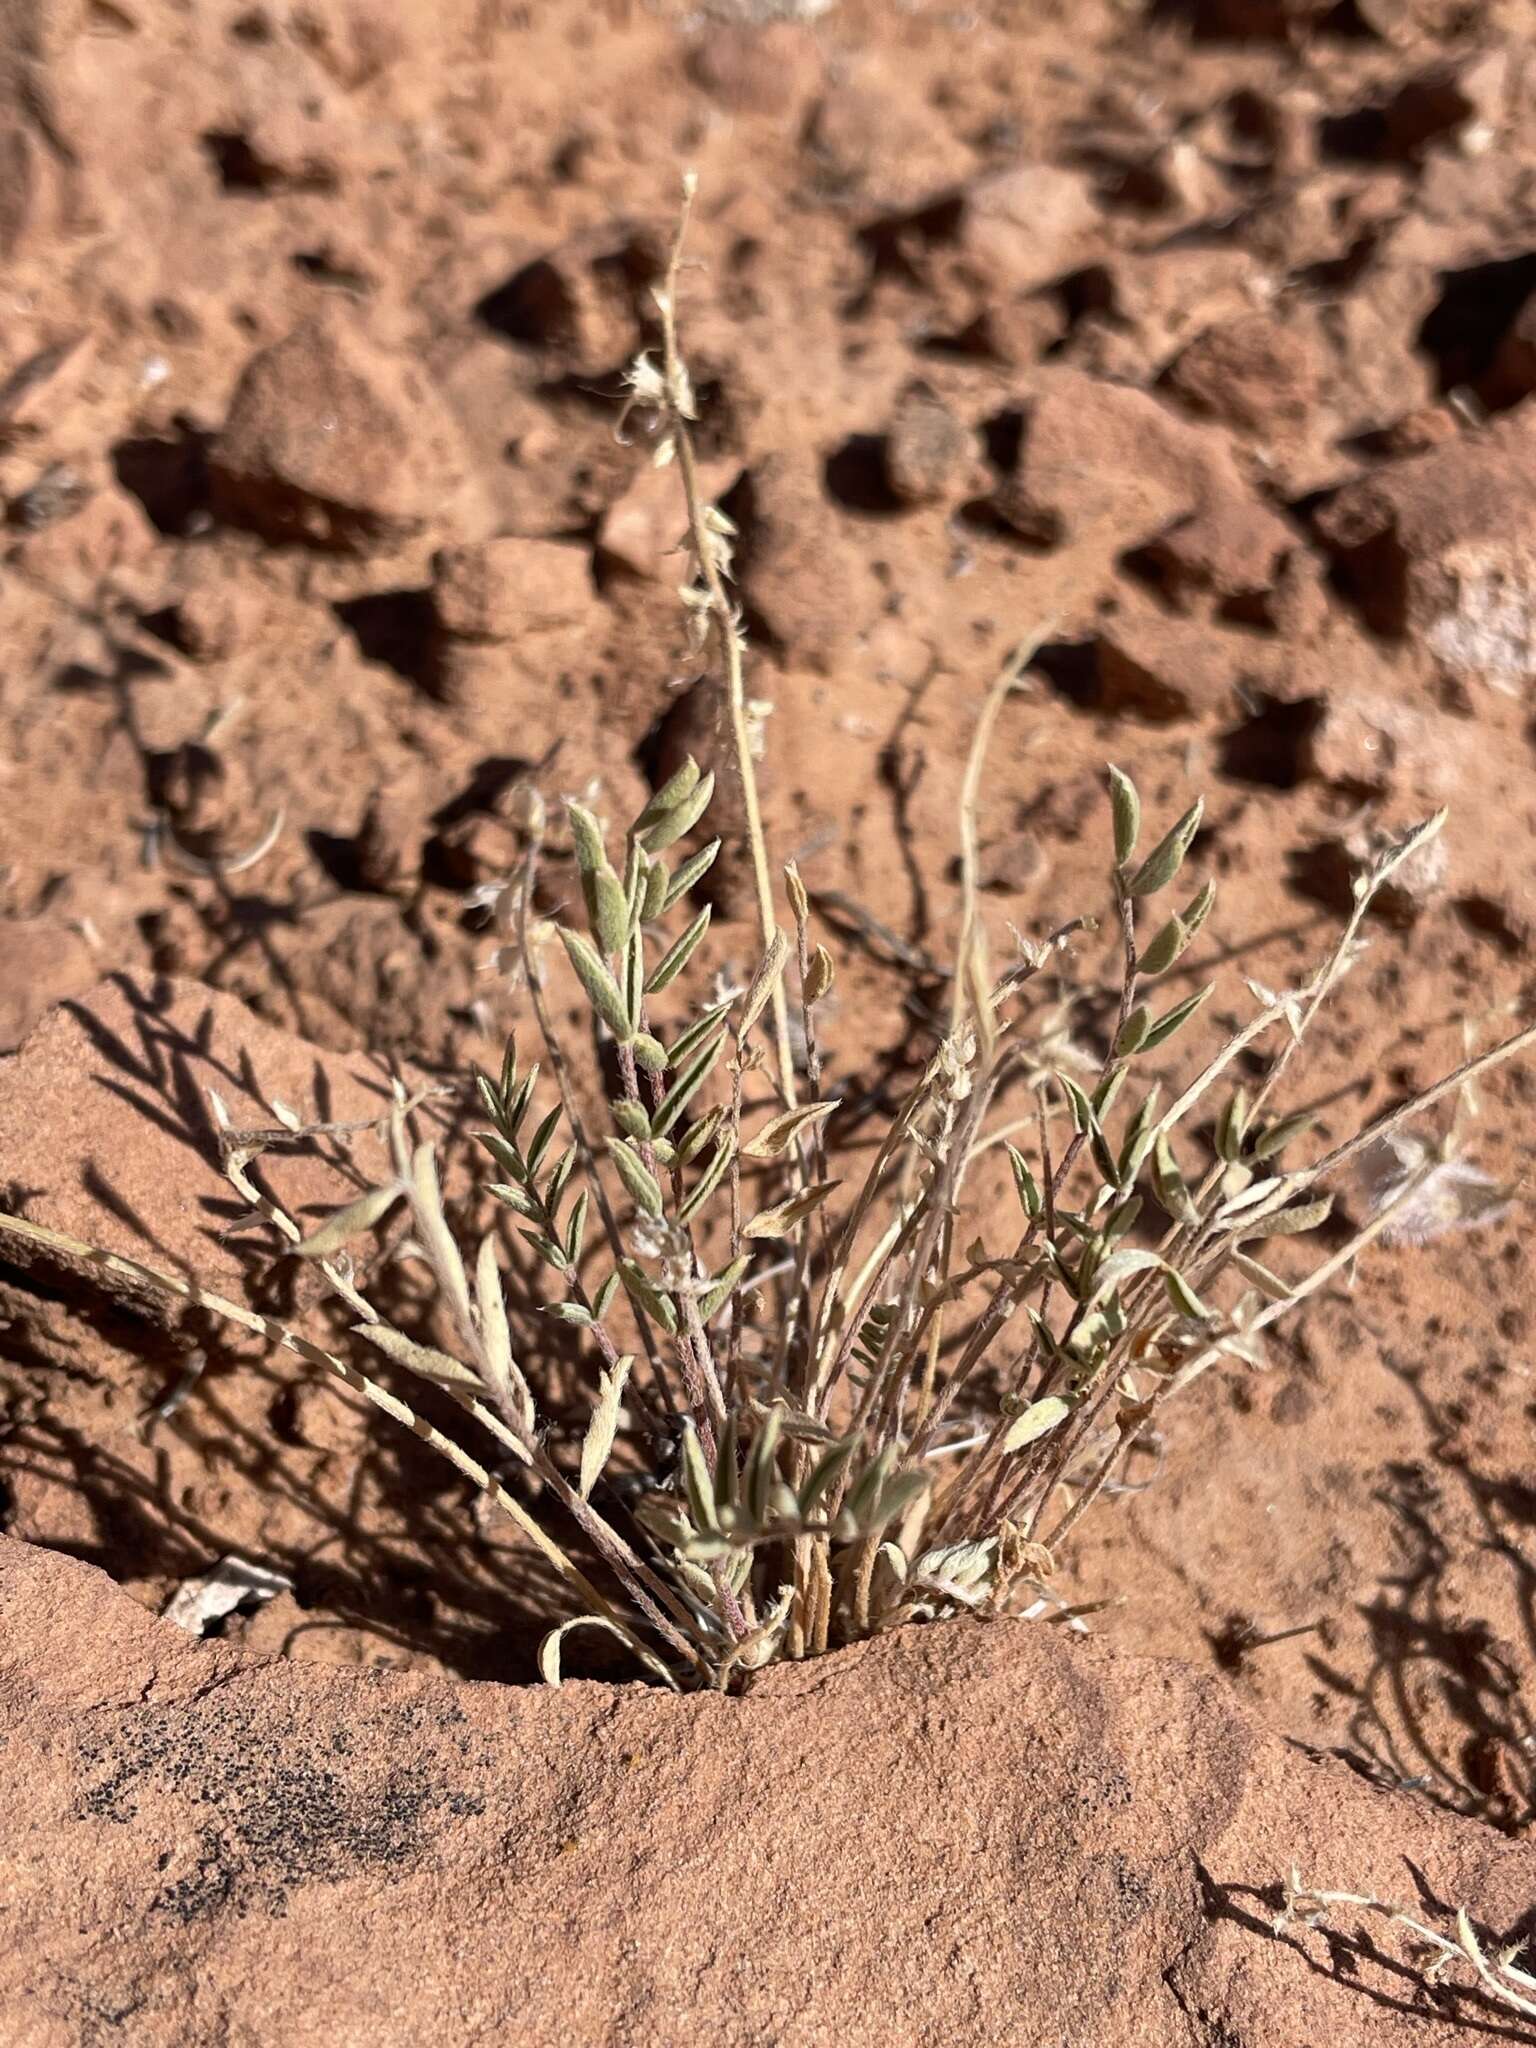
(727, 627)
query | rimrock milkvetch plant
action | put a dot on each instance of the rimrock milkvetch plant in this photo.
(821, 1396)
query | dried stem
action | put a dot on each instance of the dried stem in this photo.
(726, 623)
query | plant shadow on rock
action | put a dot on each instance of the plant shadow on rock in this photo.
(1360, 1963)
(373, 1529)
(1427, 1650)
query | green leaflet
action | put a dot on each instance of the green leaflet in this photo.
(638, 1286)
(1171, 1020)
(595, 977)
(686, 1086)
(692, 871)
(711, 1302)
(676, 958)
(665, 801)
(707, 1181)
(1125, 811)
(681, 817)
(1167, 857)
(1037, 1419)
(1024, 1183)
(641, 1184)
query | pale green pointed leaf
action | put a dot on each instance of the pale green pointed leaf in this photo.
(680, 818)
(1172, 1020)
(641, 1184)
(1037, 1420)
(576, 1228)
(1277, 1136)
(586, 837)
(1132, 1034)
(676, 958)
(825, 1473)
(689, 1040)
(649, 1053)
(349, 1222)
(1084, 1118)
(664, 802)
(1184, 1298)
(1125, 809)
(653, 895)
(631, 1120)
(1025, 1184)
(423, 1359)
(691, 872)
(539, 1144)
(1289, 1222)
(596, 978)
(715, 1297)
(689, 1080)
(698, 1135)
(1268, 1283)
(1232, 1126)
(646, 1295)
(698, 1487)
(1169, 1184)
(1273, 1191)
(610, 911)
(1198, 908)
(633, 965)
(601, 1430)
(1120, 1267)
(708, 1181)
(1167, 857)
(1159, 954)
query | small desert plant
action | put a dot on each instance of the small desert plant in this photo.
(834, 1411)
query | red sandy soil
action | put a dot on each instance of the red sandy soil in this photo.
(1200, 336)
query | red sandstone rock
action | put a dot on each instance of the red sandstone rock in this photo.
(1259, 374)
(498, 589)
(335, 442)
(1023, 227)
(769, 70)
(1102, 462)
(926, 446)
(960, 1834)
(41, 963)
(1444, 547)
